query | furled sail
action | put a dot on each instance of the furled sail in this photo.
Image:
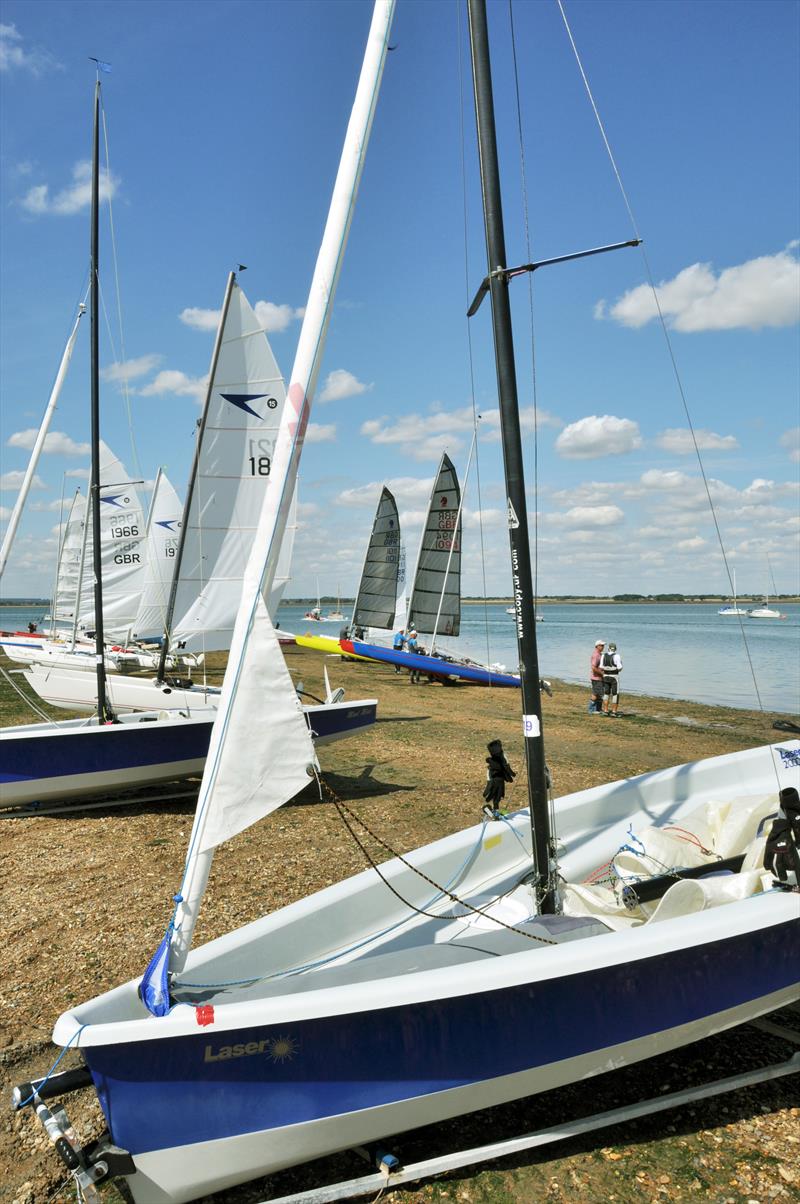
(162, 544)
(123, 545)
(238, 434)
(435, 603)
(377, 591)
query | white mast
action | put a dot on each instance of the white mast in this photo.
(16, 513)
(266, 546)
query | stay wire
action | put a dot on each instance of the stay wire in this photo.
(667, 340)
(137, 473)
(470, 356)
(529, 252)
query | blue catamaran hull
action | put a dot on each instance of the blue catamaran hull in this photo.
(434, 666)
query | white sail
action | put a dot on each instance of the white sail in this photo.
(69, 562)
(401, 604)
(437, 581)
(284, 570)
(232, 727)
(376, 599)
(123, 545)
(162, 543)
(234, 471)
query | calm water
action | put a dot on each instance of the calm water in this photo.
(686, 651)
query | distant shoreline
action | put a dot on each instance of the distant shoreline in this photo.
(707, 600)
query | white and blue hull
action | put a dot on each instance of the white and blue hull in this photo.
(44, 762)
(371, 1019)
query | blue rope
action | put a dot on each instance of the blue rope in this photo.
(49, 1074)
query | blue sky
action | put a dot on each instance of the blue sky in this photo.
(225, 123)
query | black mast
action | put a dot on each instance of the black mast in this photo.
(525, 616)
(103, 712)
(201, 429)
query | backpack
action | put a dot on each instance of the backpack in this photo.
(607, 661)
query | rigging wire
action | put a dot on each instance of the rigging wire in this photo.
(137, 469)
(667, 340)
(529, 252)
(475, 415)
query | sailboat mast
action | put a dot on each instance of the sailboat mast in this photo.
(94, 490)
(512, 454)
(173, 589)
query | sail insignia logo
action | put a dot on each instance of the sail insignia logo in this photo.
(241, 401)
(167, 523)
(113, 499)
(276, 1049)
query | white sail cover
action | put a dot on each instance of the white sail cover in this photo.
(435, 603)
(377, 592)
(124, 549)
(162, 545)
(69, 562)
(234, 469)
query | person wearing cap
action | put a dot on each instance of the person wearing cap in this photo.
(611, 665)
(412, 646)
(596, 679)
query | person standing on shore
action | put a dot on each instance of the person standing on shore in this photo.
(397, 643)
(596, 679)
(611, 664)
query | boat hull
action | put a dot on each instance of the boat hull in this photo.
(312, 1086)
(433, 666)
(404, 1021)
(40, 763)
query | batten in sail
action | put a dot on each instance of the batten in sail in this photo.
(436, 593)
(376, 600)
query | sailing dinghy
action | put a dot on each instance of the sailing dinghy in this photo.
(472, 972)
(196, 558)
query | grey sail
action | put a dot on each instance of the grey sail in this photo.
(435, 603)
(377, 592)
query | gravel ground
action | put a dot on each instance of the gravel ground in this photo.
(84, 899)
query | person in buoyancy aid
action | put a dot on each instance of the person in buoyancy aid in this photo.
(398, 643)
(611, 665)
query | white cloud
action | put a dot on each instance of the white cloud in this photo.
(131, 369)
(72, 199)
(692, 544)
(5, 512)
(14, 55)
(82, 474)
(170, 380)
(656, 478)
(679, 441)
(55, 443)
(318, 433)
(10, 482)
(592, 437)
(589, 516)
(407, 490)
(46, 507)
(340, 384)
(275, 318)
(791, 441)
(271, 317)
(200, 319)
(760, 292)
